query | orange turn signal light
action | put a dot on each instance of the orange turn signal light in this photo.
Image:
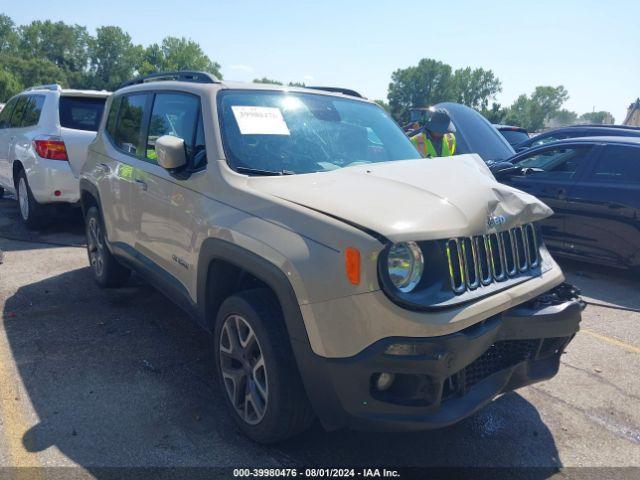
(352, 265)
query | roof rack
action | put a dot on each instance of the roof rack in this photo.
(49, 86)
(344, 91)
(180, 76)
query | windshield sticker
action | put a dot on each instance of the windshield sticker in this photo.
(260, 120)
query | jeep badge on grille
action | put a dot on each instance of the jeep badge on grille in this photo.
(494, 221)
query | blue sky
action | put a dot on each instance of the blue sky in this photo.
(590, 47)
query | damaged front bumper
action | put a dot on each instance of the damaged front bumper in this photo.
(438, 381)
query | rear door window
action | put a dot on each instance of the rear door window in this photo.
(619, 164)
(81, 113)
(32, 110)
(128, 135)
(556, 163)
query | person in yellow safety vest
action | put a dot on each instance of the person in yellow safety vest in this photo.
(436, 138)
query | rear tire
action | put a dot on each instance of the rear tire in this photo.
(107, 271)
(30, 210)
(255, 366)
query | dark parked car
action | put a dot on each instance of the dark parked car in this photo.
(576, 131)
(514, 135)
(593, 185)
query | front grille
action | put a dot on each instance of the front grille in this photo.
(496, 257)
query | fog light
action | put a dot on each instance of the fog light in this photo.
(403, 349)
(384, 381)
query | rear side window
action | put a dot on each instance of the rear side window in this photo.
(173, 114)
(618, 163)
(81, 113)
(17, 116)
(5, 115)
(32, 110)
(129, 123)
(113, 116)
(514, 137)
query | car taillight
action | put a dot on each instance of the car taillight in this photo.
(51, 149)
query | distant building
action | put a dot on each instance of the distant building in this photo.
(633, 114)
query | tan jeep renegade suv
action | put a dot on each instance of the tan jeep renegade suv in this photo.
(342, 276)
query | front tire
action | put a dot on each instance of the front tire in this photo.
(1, 192)
(256, 369)
(31, 211)
(107, 271)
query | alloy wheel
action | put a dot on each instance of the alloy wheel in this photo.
(23, 198)
(95, 245)
(243, 369)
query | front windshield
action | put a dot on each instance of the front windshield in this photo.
(271, 132)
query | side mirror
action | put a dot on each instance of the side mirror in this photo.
(503, 170)
(171, 153)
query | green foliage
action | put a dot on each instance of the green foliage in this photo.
(8, 35)
(600, 117)
(296, 84)
(32, 71)
(55, 52)
(474, 87)
(495, 114)
(432, 81)
(561, 118)
(9, 85)
(177, 54)
(63, 45)
(419, 86)
(266, 80)
(114, 58)
(532, 112)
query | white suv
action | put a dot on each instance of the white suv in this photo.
(44, 135)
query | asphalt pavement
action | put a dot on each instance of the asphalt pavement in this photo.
(95, 379)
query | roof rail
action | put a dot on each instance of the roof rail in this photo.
(49, 86)
(605, 125)
(344, 91)
(180, 76)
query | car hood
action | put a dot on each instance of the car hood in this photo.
(410, 199)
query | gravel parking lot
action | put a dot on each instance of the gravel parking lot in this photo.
(122, 378)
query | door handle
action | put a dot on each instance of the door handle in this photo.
(103, 167)
(142, 184)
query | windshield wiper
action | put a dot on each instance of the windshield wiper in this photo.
(257, 171)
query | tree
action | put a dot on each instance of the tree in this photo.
(600, 117)
(532, 112)
(561, 118)
(296, 84)
(113, 57)
(66, 46)
(33, 71)
(177, 54)
(474, 87)
(419, 86)
(8, 35)
(9, 85)
(495, 114)
(266, 80)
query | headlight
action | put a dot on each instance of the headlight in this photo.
(405, 264)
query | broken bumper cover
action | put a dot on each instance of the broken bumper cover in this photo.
(439, 381)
